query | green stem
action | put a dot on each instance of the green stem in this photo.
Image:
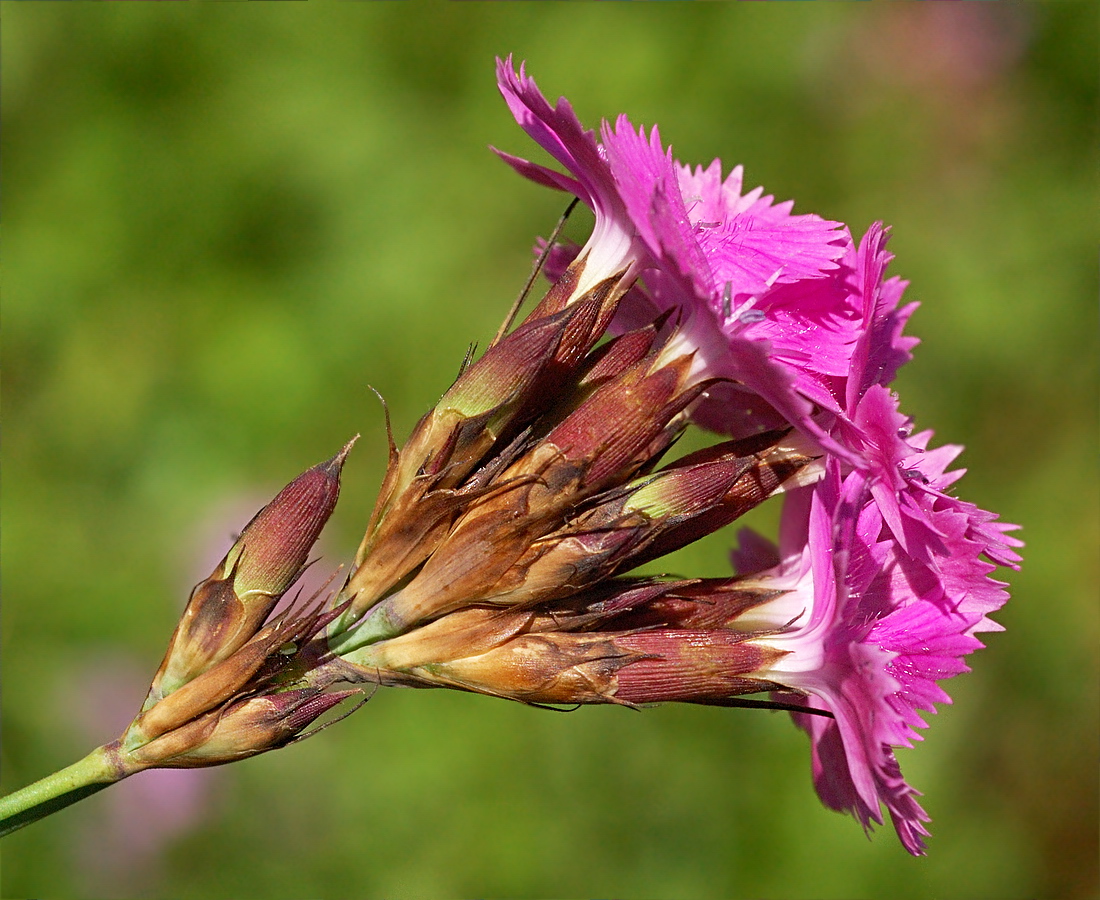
(93, 773)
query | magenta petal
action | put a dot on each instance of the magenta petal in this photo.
(737, 268)
(648, 186)
(557, 130)
(833, 765)
(753, 368)
(882, 349)
(750, 243)
(710, 267)
(813, 323)
(542, 175)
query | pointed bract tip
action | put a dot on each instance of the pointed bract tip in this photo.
(335, 465)
(273, 547)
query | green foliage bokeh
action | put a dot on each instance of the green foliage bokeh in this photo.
(225, 223)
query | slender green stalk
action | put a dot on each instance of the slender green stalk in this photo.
(97, 770)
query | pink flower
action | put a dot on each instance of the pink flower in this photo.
(905, 479)
(884, 578)
(889, 574)
(747, 279)
(871, 629)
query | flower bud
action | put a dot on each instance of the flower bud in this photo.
(693, 496)
(227, 609)
(477, 553)
(245, 728)
(699, 666)
(654, 666)
(521, 547)
(705, 491)
(467, 632)
(225, 679)
(497, 395)
(506, 369)
(616, 356)
(612, 432)
(499, 392)
(704, 603)
(539, 668)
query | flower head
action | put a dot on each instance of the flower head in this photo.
(884, 576)
(870, 628)
(747, 280)
(227, 687)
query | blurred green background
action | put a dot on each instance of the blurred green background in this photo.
(223, 222)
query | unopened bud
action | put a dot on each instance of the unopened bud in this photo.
(507, 369)
(652, 666)
(246, 728)
(273, 548)
(612, 431)
(479, 552)
(616, 356)
(221, 681)
(467, 632)
(539, 668)
(691, 666)
(705, 491)
(704, 603)
(227, 609)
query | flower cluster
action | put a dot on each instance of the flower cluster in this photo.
(498, 555)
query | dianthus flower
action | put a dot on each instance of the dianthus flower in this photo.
(748, 280)
(868, 629)
(882, 577)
